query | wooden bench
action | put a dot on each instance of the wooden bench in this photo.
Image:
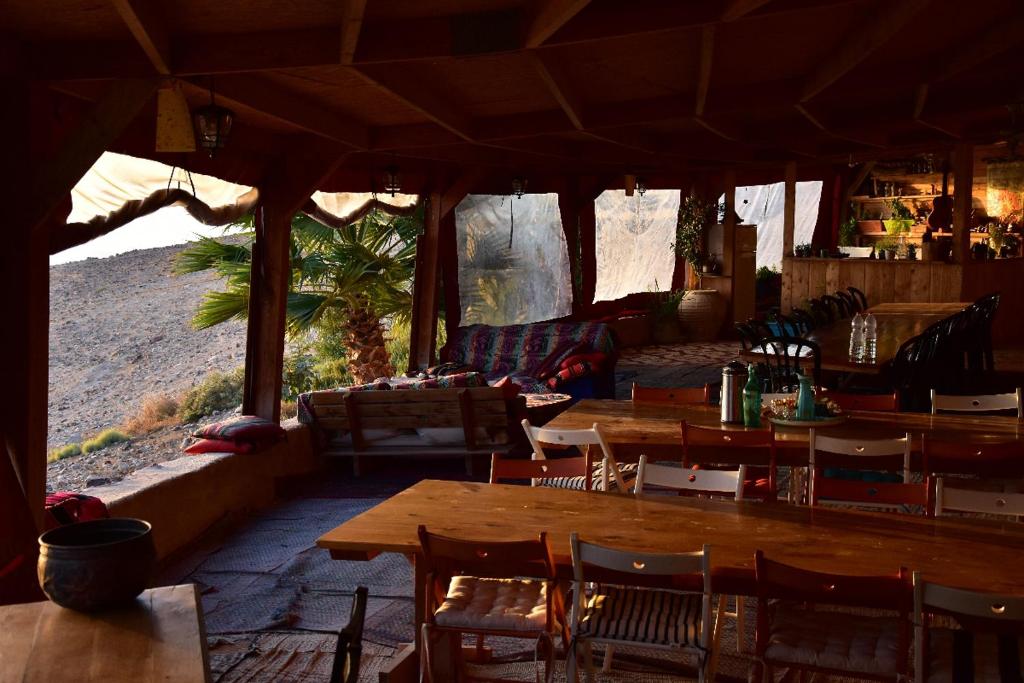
(468, 409)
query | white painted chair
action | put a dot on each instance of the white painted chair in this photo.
(955, 499)
(937, 651)
(718, 482)
(675, 620)
(879, 494)
(982, 403)
(575, 437)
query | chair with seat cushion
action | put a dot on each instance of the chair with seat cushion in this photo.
(610, 475)
(679, 396)
(866, 480)
(792, 633)
(490, 588)
(632, 602)
(565, 473)
(348, 652)
(986, 403)
(986, 645)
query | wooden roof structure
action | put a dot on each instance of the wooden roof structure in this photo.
(463, 95)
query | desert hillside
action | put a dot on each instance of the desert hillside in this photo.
(119, 330)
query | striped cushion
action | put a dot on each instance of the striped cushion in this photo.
(841, 641)
(578, 483)
(956, 655)
(637, 615)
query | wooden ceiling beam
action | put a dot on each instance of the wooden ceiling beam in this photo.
(292, 108)
(147, 27)
(707, 53)
(220, 53)
(878, 28)
(560, 88)
(1000, 37)
(737, 9)
(351, 26)
(420, 92)
(548, 18)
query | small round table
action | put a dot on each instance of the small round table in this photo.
(543, 408)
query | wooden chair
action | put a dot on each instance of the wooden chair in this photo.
(785, 357)
(347, 654)
(579, 437)
(792, 634)
(1002, 462)
(676, 478)
(951, 498)
(872, 402)
(674, 396)
(986, 645)
(985, 403)
(634, 588)
(735, 448)
(568, 473)
(858, 454)
(468, 580)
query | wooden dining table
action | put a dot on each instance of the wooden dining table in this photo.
(159, 637)
(971, 554)
(897, 323)
(652, 428)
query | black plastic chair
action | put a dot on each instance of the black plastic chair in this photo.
(978, 345)
(839, 308)
(861, 298)
(852, 304)
(350, 642)
(804, 319)
(824, 314)
(760, 328)
(785, 357)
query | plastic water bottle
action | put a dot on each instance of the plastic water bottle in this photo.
(857, 338)
(870, 337)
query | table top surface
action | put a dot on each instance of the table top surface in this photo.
(160, 637)
(972, 554)
(897, 322)
(626, 422)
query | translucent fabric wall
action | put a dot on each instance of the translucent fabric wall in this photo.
(634, 242)
(526, 282)
(762, 205)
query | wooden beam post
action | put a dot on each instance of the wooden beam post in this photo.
(963, 183)
(789, 210)
(568, 209)
(423, 335)
(449, 257)
(282, 193)
(588, 249)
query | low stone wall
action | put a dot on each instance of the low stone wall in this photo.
(183, 497)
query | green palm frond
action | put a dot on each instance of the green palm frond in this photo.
(219, 307)
(304, 311)
(208, 253)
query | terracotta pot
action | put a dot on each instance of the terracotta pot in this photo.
(93, 565)
(666, 331)
(701, 314)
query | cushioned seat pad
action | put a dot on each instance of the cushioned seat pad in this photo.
(834, 640)
(979, 657)
(638, 615)
(578, 483)
(498, 604)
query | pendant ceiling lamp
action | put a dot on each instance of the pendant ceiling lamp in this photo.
(173, 121)
(213, 125)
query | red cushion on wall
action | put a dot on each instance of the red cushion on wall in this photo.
(511, 389)
(218, 446)
(596, 359)
(245, 429)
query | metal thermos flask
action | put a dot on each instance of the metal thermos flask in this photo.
(734, 378)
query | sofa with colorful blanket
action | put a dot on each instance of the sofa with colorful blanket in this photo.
(456, 414)
(570, 358)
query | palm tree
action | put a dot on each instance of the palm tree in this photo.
(345, 281)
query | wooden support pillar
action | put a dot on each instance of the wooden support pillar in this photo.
(588, 251)
(449, 255)
(963, 183)
(789, 210)
(423, 336)
(282, 193)
(568, 208)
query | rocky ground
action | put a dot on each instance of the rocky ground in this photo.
(120, 330)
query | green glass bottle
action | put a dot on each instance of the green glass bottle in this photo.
(752, 399)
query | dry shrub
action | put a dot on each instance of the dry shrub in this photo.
(156, 411)
(289, 409)
(108, 437)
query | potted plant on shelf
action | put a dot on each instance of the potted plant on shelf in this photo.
(887, 248)
(701, 312)
(900, 217)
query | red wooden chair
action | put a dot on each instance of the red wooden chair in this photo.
(736, 447)
(566, 473)
(875, 402)
(490, 588)
(792, 634)
(674, 396)
(994, 461)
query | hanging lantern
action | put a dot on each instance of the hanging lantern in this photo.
(213, 125)
(392, 180)
(173, 122)
(641, 188)
(519, 187)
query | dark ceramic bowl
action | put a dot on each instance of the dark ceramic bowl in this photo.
(93, 565)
